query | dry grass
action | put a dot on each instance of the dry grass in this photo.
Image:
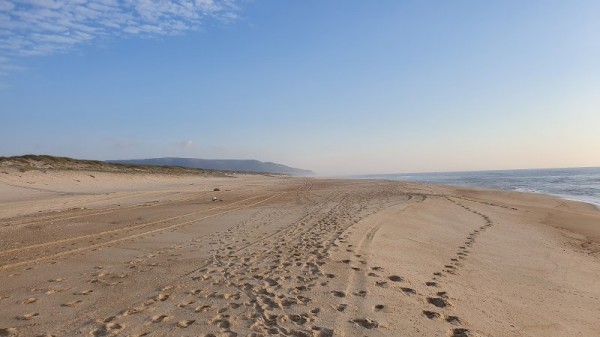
(45, 162)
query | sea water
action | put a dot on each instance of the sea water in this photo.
(582, 184)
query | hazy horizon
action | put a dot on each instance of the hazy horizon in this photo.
(337, 87)
(375, 174)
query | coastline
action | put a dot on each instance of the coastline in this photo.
(153, 254)
(577, 184)
(562, 197)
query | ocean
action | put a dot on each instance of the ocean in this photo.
(581, 184)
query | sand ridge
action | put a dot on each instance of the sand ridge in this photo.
(293, 257)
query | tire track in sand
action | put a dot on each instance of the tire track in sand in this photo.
(361, 274)
(264, 288)
(39, 219)
(112, 231)
(77, 250)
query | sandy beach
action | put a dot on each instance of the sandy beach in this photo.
(87, 253)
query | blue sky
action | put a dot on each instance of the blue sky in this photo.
(340, 87)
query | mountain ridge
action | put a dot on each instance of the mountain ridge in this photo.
(243, 165)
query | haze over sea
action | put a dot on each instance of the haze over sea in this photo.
(582, 184)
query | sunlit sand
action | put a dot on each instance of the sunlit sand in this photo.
(99, 253)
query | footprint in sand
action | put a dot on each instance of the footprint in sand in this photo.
(52, 291)
(185, 323)
(71, 304)
(160, 318)
(132, 311)
(162, 297)
(382, 284)
(149, 302)
(30, 300)
(322, 332)
(83, 292)
(203, 308)
(431, 314)
(107, 329)
(184, 304)
(298, 319)
(442, 294)
(5, 332)
(454, 320)
(27, 317)
(395, 278)
(378, 307)
(337, 293)
(438, 302)
(366, 323)
(361, 293)
(460, 332)
(223, 324)
(409, 291)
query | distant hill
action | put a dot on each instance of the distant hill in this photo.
(219, 164)
(47, 162)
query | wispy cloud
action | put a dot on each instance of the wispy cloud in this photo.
(186, 144)
(6, 66)
(43, 27)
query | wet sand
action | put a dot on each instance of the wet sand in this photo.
(103, 254)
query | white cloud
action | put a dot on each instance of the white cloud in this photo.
(184, 144)
(43, 27)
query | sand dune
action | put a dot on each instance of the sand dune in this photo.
(109, 254)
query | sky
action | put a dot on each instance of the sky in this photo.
(339, 87)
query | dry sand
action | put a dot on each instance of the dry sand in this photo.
(102, 254)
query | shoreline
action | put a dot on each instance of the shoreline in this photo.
(154, 255)
(577, 184)
(491, 189)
